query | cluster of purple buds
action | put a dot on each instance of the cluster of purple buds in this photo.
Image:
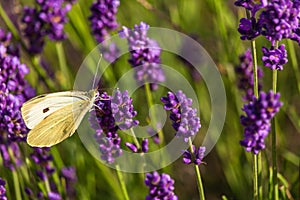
(257, 121)
(103, 18)
(160, 186)
(245, 75)
(69, 175)
(195, 156)
(2, 190)
(144, 147)
(46, 20)
(145, 55)
(185, 120)
(43, 158)
(112, 113)
(274, 58)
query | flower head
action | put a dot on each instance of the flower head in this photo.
(69, 174)
(112, 113)
(274, 58)
(196, 156)
(249, 28)
(2, 190)
(257, 121)
(160, 186)
(245, 75)
(279, 19)
(103, 18)
(185, 120)
(145, 55)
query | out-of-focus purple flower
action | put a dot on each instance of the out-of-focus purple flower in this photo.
(160, 186)
(53, 14)
(69, 174)
(274, 58)
(196, 157)
(184, 117)
(43, 158)
(110, 51)
(279, 19)
(154, 134)
(54, 196)
(122, 110)
(49, 19)
(245, 75)
(8, 162)
(2, 190)
(249, 28)
(145, 55)
(257, 121)
(34, 30)
(103, 18)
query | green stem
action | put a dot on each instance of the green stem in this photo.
(47, 184)
(63, 65)
(136, 142)
(9, 23)
(257, 166)
(198, 175)
(40, 70)
(122, 183)
(16, 185)
(274, 140)
(150, 103)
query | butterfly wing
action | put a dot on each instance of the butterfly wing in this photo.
(38, 108)
(59, 125)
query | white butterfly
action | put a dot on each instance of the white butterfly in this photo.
(56, 116)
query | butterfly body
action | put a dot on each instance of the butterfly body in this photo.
(56, 116)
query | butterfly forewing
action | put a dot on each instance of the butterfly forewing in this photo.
(36, 109)
(59, 125)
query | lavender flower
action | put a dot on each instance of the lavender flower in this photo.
(196, 157)
(54, 196)
(249, 28)
(160, 186)
(103, 18)
(69, 174)
(134, 149)
(280, 19)
(251, 5)
(53, 14)
(122, 110)
(112, 114)
(257, 121)
(275, 58)
(43, 158)
(2, 190)
(46, 19)
(184, 117)
(145, 55)
(110, 51)
(34, 30)
(245, 75)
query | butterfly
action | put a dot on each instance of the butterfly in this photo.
(54, 117)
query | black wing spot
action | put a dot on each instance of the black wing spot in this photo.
(45, 110)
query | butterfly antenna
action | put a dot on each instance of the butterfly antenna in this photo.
(97, 68)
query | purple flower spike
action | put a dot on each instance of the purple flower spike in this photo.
(122, 110)
(185, 120)
(249, 28)
(2, 190)
(245, 75)
(145, 55)
(103, 18)
(257, 121)
(275, 58)
(196, 157)
(69, 174)
(54, 196)
(160, 186)
(280, 19)
(132, 147)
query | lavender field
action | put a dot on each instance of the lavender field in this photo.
(144, 99)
